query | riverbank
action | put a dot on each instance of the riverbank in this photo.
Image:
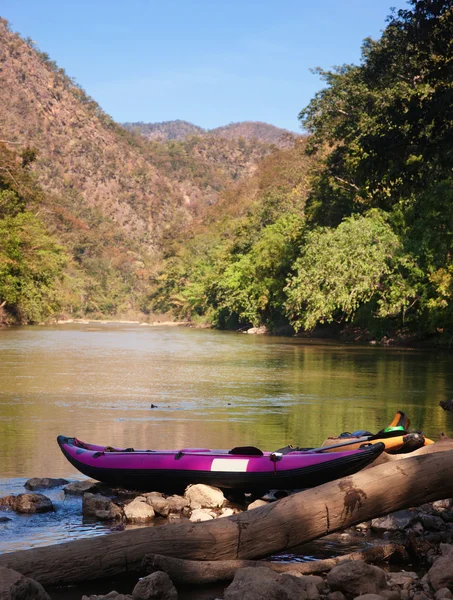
(333, 333)
(417, 563)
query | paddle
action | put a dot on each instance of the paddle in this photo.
(384, 433)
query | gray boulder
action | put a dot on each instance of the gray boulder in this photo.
(33, 503)
(431, 522)
(205, 496)
(261, 583)
(257, 504)
(99, 507)
(166, 506)
(78, 488)
(404, 579)
(157, 586)
(44, 483)
(397, 521)
(443, 593)
(202, 514)
(440, 574)
(355, 578)
(28, 503)
(14, 586)
(138, 511)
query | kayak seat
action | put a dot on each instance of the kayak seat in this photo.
(246, 451)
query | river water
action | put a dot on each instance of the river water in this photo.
(212, 389)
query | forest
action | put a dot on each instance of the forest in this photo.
(347, 230)
(351, 230)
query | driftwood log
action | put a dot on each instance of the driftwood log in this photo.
(196, 572)
(257, 533)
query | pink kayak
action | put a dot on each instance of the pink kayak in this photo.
(247, 469)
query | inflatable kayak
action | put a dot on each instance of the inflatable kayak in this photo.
(396, 438)
(247, 469)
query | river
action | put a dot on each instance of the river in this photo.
(211, 389)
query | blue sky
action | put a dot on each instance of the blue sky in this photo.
(210, 62)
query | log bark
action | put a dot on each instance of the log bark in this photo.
(195, 572)
(257, 533)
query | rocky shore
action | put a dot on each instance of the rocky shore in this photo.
(423, 569)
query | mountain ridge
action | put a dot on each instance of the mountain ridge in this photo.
(179, 129)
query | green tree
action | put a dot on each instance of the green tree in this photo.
(388, 121)
(30, 265)
(361, 261)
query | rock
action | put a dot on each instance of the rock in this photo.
(257, 504)
(370, 597)
(110, 596)
(177, 504)
(226, 512)
(444, 593)
(313, 580)
(205, 495)
(78, 488)
(446, 549)
(261, 583)
(28, 503)
(157, 586)
(390, 595)
(397, 521)
(403, 579)
(417, 528)
(158, 503)
(355, 578)
(336, 596)
(138, 511)
(94, 505)
(44, 483)
(432, 523)
(257, 330)
(14, 586)
(8, 502)
(4, 519)
(443, 504)
(419, 595)
(201, 514)
(440, 574)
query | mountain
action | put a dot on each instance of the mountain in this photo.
(110, 198)
(256, 130)
(246, 130)
(167, 130)
(82, 153)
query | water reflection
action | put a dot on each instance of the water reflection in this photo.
(212, 389)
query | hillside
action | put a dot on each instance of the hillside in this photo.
(167, 130)
(252, 131)
(109, 197)
(81, 151)
(255, 130)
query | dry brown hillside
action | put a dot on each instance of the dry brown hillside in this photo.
(250, 131)
(166, 130)
(80, 149)
(256, 130)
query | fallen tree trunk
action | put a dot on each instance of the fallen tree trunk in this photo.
(257, 533)
(195, 572)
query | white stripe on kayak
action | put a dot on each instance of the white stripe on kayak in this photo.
(236, 465)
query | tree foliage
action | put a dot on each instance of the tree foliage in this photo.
(31, 262)
(339, 270)
(388, 120)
